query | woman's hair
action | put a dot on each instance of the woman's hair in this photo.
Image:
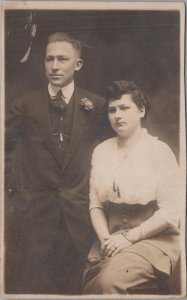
(122, 87)
(65, 37)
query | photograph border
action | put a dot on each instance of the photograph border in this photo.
(101, 5)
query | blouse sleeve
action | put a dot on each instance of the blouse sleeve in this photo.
(169, 196)
(95, 201)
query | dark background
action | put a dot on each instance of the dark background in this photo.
(142, 46)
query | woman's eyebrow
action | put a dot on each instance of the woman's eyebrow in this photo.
(124, 105)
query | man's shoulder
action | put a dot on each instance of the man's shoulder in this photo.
(35, 93)
(91, 95)
(29, 97)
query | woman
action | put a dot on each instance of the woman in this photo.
(134, 201)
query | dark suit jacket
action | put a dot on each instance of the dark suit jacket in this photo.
(41, 186)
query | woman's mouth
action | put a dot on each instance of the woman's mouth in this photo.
(120, 124)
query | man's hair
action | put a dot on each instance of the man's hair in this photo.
(123, 87)
(65, 37)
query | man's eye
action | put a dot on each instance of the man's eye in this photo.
(62, 58)
(49, 58)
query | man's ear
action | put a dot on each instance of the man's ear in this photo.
(79, 64)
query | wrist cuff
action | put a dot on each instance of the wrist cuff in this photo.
(125, 236)
(134, 235)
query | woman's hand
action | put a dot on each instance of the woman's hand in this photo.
(102, 246)
(114, 244)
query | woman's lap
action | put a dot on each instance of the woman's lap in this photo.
(119, 274)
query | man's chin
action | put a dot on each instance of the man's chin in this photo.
(56, 84)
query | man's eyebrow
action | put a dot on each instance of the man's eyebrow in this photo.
(58, 56)
(63, 55)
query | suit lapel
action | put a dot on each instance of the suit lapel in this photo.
(43, 120)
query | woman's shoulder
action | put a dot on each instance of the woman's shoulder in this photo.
(105, 144)
(105, 147)
(158, 147)
(158, 144)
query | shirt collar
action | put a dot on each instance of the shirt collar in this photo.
(66, 90)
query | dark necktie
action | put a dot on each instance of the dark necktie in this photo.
(58, 102)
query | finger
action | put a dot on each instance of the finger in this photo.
(116, 251)
(108, 246)
(110, 252)
(111, 245)
(107, 242)
(110, 249)
(106, 238)
(103, 249)
(107, 249)
(106, 252)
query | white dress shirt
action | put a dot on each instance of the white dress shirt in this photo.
(67, 91)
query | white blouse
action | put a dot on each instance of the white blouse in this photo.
(149, 172)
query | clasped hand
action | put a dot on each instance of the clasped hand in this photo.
(113, 244)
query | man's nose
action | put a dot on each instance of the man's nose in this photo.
(55, 64)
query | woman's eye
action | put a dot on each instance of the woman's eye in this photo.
(124, 107)
(112, 110)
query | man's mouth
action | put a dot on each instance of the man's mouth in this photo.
(55, 75)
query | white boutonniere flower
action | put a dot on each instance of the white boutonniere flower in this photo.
(86, 104)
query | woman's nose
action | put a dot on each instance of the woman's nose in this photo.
(118, 114)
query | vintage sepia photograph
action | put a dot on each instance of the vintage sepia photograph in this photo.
(93, 150)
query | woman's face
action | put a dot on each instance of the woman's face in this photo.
(124, 115)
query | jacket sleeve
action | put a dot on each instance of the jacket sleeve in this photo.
(104, 129)
(13, 129)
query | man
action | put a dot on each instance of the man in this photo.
(53, 133)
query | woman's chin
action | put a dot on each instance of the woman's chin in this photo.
(122, 132)
(122, 135)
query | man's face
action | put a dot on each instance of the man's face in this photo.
(61, 62)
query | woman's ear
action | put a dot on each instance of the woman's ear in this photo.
(142, 110)
(79, 64)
